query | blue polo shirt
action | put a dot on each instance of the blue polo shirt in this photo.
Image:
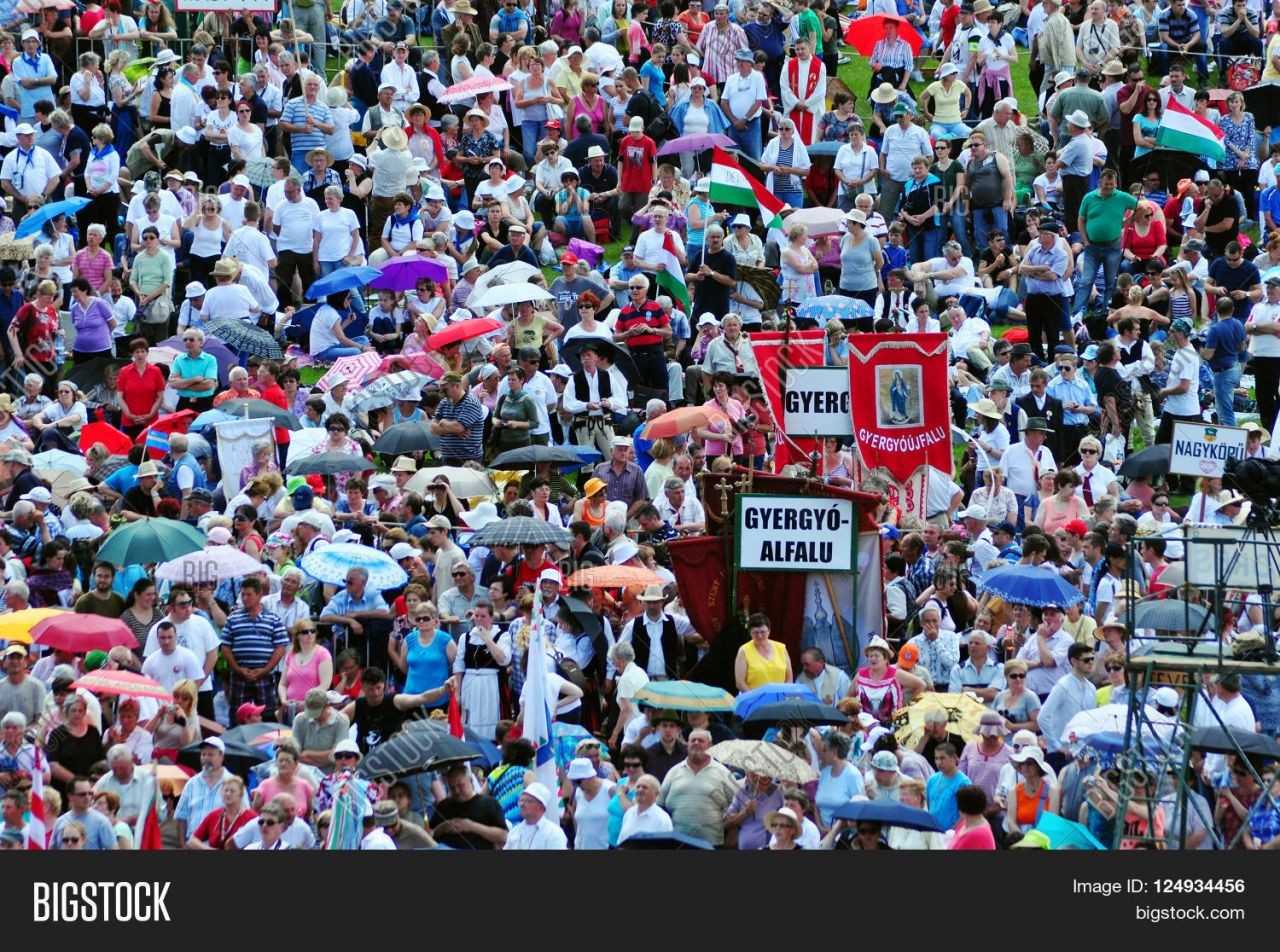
(1225, 337)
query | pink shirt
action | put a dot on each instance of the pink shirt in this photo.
(301, 791)
(980, 838)
(94, 269)
(299, 679)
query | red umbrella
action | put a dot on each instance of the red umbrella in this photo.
(170, 423)
(419, 363)
(682, 420)
(116, 442)
(124, 683)
(79, 634)
(864, 32)
(463, 330)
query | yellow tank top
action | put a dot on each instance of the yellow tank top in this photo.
(762, 671)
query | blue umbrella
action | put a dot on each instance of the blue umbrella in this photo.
(211, 418)
(833, 306)
(888, 812)
(1065, 833)
(331, 564)
(1031, 585)
(32, 224)
(1108, 745)
(344, 279)
(748, 701)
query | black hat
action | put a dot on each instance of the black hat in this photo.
(1020, 350)
(1038, 424)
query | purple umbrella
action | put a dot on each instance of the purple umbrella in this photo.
(403, 274)
(697, 143)
(225, 357)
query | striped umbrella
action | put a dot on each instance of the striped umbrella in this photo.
(349, 803)
(356, 369)
(124, 683)
(245, 337)
(685, 696)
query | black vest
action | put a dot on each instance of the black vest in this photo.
(478, 657)
(672, 653)
(582, 390)
(1132, 356)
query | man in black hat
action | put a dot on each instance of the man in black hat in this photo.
(1023, 462)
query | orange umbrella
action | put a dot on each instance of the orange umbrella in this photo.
(612, 576)
(674, 422)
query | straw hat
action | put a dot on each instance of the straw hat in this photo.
(987, 407)
(884, 94)
(786, 815)
(394, 139)
(878, 642)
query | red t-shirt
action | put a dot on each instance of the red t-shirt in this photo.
(214, 832)
(637, 163)
(274, 395)
(36, 330)
(140, 390)
(651, 315)
(950, 16)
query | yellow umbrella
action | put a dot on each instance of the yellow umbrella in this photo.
(16, 626)
(963, 713)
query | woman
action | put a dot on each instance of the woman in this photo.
(102, 181)
(533, 95)
(1027, 167)
(861, 266)
(219, 826)
(126, 126)
(836, 125)
(161, 103)
(540, 498)
(108, 804)
(175, 725)
(272, 823)
(338, 426)
(1181, 297)
(140, 609)
(635, 761)
(568, 24)
(337, 235)
(295, 395)
(427, 658)
(485, 651)
(1018, 706)
(945, 103)
(34, 329)
(995, 497)
(589, 806)
(93, 262)
(74, 746)
(857, 167)
(1143, 240)
(286, 780)
(73, 835)
(56, 426)
(1064, 505)
(785, 826)
(787, 163)
(761, 660)
(996, 52)
(699, 214)
(799, 267)
(476, 147)
(714, 434)
(838, 781)
(210, 232)
(973, 832)
(246, 136)
(347, 680)
(1034, 796)
(837, 464)
(11, 431)
(94, 323)
(1240, 170)
(1047, 186)
(516, 414)
(879, 686)
(955, 606)
(593, 504)
(1146, 124)
(591, 104)
(306, 665)
(911, 793)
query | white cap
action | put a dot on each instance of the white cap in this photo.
(347, 746)
(243, 181)
(195, 289)
(38, 494)
(402, 550)
(636, 124)
(550, 575)
(948, 69)
(488, 371)
(573, 50)
(220, 535)
(540, 793)
(30, 35)
(973, 512)
(25, 129)
(188, 135)
(214, 742)
(623, 551)
(1165, 697)
(561, 370)
(346, 535)
(1201, 175)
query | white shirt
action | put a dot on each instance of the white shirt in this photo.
(169, 207)
(30, 174)
(956, 286)
(250, 246)
(194, 634)
(335, 230)
(543, 835)
(169, 669)
(657, 666)
(255, 279)
(858, 165)
(296, 222)
(377, 840)
(229, 301)
(1099, 480)
(1264, 345)
(232, 210)
(649, 245)
(653, 820)
(297, 837)
(184, 106)
(1020, 465)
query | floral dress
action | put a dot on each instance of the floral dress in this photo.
(1241, 135)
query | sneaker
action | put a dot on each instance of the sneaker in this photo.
(917, 76)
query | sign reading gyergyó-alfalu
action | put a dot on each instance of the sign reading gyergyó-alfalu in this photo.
(795, 533)
(816, 402)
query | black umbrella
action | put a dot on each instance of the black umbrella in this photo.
(1152, 461)
(584, 616)
(89, 374)
(405, 438)
(1172, 165)
(521, 530)
(239, 758)
(261, 410)
(329, 464)
(797, 711)
(664, 841)
(525, 456)
(1230, 740)
(245, 337)
(248, 733)
(619, 356)
(415, 751)
(1263, 101)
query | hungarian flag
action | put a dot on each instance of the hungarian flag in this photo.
(671, 278)
(37, 832)
(146, 833)
(1183, 130)
(731, 185)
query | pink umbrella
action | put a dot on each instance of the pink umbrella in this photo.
(211, 564)
(355, 368)
(470, 88)
(124, 683)
(79, 634)
(421, 363)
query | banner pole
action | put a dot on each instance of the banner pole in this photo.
(835, 611)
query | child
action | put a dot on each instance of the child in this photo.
(637, 39)
(384, 323)
(895, 253)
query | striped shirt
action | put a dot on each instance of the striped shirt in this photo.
(296, 111)
(199, 799)
(253, 640)
(718, 48)
(470, 413)
(897, 56)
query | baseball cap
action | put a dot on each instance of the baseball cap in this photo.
(38, 494)
(1202, 175)
(439, 522)
(402, 550)
(242, 181)
(636, 124)
(249, 709)
(214, 742)
(25, 129)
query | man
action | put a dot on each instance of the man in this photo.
(590, 397)
(643, 325)
(941, 787)
(951, 276)
(1180, 35)
(716, 275)
(804, 89)
(197, 635)
(297, 833)
(974, 519)
(1181, 396)
(939, 650)
(1046, 652)
(1218, 219)
(19, 692)
(459, 422)
(1024, 462)
(465, 819)
(356, 607)
(1137, 362)
(448, 553)
(101, 600)
(745, 95)
(203, 792)
(983, 758)
(829, 683)
(1263, 330)
(293, 222)
(668, 749)
(1076, 163)
(903, 141)
(28, 172)
(318, 729)
(172, 662)
(978, 674)
(537, 831)
(680, 509)
(1073, 693)
(194, 375)
(624, 480)
(139, 502)
(1224, 344)
(135, 788)
(697, 791)
(404, 836)
(1004, 536)
(1100, 222)
(988, 183)
(658, 637)
(253, 642)
(98, 832)
(719, 41)
(34, 75)
(637, 170)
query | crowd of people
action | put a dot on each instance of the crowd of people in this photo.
(214, 181)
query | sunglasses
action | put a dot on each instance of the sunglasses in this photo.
(185, 603)
(72, 839)
(1115, 667)
(306, 631)
(423, 619)
(1088, 452)
(1016, 677)
(461, 574)
(266, 822)
(345, 755)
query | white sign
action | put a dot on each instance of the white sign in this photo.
(1202, 449)
(816, 402)
(225, 6)
(795, 533)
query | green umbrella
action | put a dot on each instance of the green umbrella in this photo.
(685, 696)
(150, 540)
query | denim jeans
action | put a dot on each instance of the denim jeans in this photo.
(298, 159)
(960, 227)
(748, 139)
(924, 245)
(330, 354)
(531, 133)
(1224, 396)
(1108, 256)
(949, 130)
(986, 220)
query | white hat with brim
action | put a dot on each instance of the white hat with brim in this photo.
(652, 593)
(786, 815)
(1079, 119)
(540, 793)
(884, 94)
(1031, 753)
(483, 514)
(878, 643)
(623, 551)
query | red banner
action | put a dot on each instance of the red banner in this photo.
(774, 354)
(905, 421)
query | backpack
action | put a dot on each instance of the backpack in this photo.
(571, 671)
(661, 128)
(912, 592)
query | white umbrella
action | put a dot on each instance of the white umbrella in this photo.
(819, 220)
(464, 482)
(1110, 718)
(511, 273)
(211, 564)
(60, 459)
(507, 294)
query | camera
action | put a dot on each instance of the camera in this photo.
(745, 422)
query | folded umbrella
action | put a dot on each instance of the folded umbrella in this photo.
(403, 274)
(77, 633)
(405, 438)
(212, 564)
(888, 813)
(246, 338)
(32, 224)
(331, 563)
(344, 279)
(464, 330)
(328, 464)
(124, 683)
(683, 420)
(1031, 585)
(748, 701)
(150, 540)
(261, 410)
